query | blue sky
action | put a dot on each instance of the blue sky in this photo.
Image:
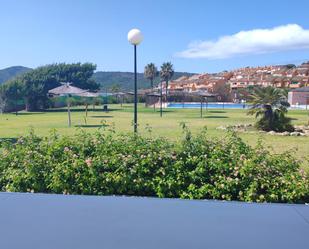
(36, 32)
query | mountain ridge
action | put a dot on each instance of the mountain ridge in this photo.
(12, 72)
(106, 79)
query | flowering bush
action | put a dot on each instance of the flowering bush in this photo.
(106, 163)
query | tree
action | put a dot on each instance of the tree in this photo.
(3, 99)
(150, 73)
(11, 94)
(166, 74)
(290, 66)
(115, 88)
(34, 85)
(270, 105)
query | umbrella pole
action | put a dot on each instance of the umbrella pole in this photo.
(69, 112)
(201, 108)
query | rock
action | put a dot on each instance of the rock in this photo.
(283, 133)
(295, 133)
(271, 133)
(286, 133)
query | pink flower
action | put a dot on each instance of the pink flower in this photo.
(88, 161)
(66, 149)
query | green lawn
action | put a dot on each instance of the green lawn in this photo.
(12, 126)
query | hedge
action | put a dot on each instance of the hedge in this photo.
(106, 163)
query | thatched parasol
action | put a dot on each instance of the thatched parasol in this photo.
(88, 95)
(203, 95)
(67, 90)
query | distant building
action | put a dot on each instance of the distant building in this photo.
(299, 96)
(280, 76)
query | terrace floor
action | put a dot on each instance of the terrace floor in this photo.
(74, 222)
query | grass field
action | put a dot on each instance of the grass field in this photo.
(12, 126)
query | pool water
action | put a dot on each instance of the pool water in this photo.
(213, 105)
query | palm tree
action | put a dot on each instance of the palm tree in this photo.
(150, 73)
(166, 74)
(270, 104)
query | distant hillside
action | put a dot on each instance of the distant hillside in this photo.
(126, 80)
(11, 72)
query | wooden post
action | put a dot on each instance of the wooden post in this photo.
(161, 101)
(201, 107)
(69, 112)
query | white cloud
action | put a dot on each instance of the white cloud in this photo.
(256, 41)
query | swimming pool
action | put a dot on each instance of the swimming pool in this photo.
(213, 105)
(220, 105)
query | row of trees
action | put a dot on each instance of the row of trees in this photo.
(30, 90)
(166, 73)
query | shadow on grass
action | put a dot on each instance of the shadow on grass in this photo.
(102, 116)
(127, 106)
(65, 110)
(26, 113)
(216, 111)
(112, 109)
(89, 126)
(82, 110)
(163, 111)
(215, 117)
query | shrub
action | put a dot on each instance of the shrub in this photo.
(270, 105)
(279, 123)
(105, 163)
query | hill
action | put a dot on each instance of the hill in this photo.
(11, 72)
(125, 80)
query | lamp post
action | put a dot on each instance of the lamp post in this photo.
(135, 37)
(161, 99)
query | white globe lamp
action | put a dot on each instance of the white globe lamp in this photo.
(135, 36)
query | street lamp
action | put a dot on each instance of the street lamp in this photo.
(135, 37)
